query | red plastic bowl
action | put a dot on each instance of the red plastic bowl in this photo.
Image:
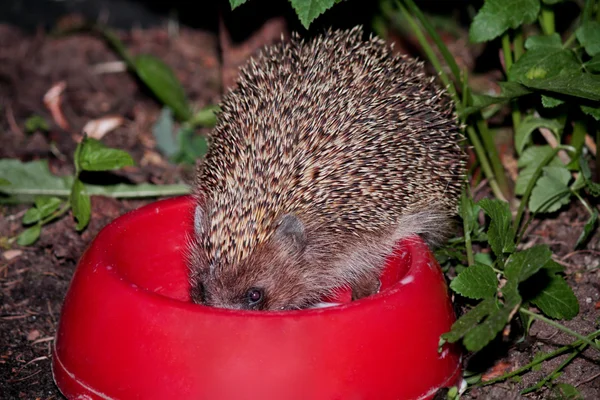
(127, 329)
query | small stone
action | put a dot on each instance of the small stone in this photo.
(33, 335)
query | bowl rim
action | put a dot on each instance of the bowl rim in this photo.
(97, 251)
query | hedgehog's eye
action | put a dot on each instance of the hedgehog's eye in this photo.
(255, 296)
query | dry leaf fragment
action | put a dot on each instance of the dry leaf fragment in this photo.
(499, 369)
(10, 254)
(53, 100)
(97, 128)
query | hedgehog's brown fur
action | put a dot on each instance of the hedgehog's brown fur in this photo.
(356, 142)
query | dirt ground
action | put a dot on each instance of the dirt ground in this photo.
(34, 280)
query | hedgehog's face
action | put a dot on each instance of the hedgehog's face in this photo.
(272, 277)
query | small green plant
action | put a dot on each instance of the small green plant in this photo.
(186, 147)
(36, 123)
(53, 196)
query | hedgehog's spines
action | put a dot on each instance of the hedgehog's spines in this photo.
(339, 130)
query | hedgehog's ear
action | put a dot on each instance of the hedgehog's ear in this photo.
(199, 220)
(291, 233)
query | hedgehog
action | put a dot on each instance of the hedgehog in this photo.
(326, 153)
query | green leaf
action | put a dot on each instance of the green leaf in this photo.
(508, 91)
(500, 232)
(4, 182)
(588, 35)
(159, 77)
(32, 216)
(552, 267)
(476, 282)
(468, 210)
(162, 130)
(47, 205)
(544, 42)
(29, 235)
(594, 112)
(206, 117)
(593, 65)
(479, 336)
(36, 123)
(30, 179)
(308, 10)
(567, 392)
(529, 125)
(191, 146)
(574, 83)
(80, 204)
(588, 228)
(95, 156)
(555, 70)
(557, 299)
(236, 3)
(551, 191)
(552, 1)
(543, 63)
(551, 102)
(470, 320)
(34, 179)
(483, 258)
(523, 264)
(497, 16)
(529, 161)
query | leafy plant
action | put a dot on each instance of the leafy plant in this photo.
(552, 91)
(159, 78)
(36, 123)
(307, 10)
(187, 147)
(53, 196)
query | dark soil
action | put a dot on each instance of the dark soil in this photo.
(34, 280)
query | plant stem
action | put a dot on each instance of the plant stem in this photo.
(578, 137)
(508, 62)
(585, 203)
(588, 9)
(148, 190)
(448, 57)
(492, 153)
(553, 374)
(560, 327)
(485, 165)
(569, 40)
(540, 360)
(430, 53)
(66, 207)
(467, 231)
(547, 20)
(518, 44)
(506, 52)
